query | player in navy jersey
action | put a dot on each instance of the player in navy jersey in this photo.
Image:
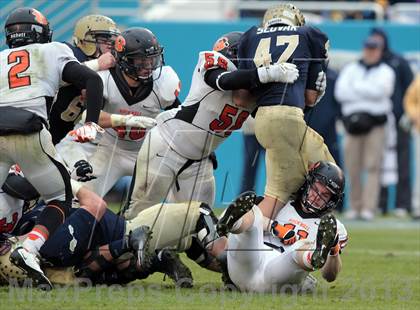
(93, 39)
(291, 146)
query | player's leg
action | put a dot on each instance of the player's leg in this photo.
(196, 183)
(172, 224)
(291, 146)
(108, 164)
(154, 174)
(39, 162)
(245, 253)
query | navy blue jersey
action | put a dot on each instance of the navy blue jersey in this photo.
(79, 234)
(304, 46)
(67, 107)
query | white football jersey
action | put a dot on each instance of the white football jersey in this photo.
(164, 92)
(10, 212)
(207, 116)
(30, 73)
(305, 228)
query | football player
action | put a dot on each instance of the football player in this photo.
(303, 237)
(280, 128)
(135, 92)
(92, 219)
(173, 159)
(32, 70)
(93, 41)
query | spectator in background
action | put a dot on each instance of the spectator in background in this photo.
(252, 151)
(412, 110)
(403, 78)
(364, 90)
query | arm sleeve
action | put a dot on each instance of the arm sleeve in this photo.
(174, 105)
(314, 69)
(84, 78)
(241, 79)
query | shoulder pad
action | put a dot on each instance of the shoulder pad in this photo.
(208, 60)
(77, 52)
(61, 50)
(319, 42)
(168, 85)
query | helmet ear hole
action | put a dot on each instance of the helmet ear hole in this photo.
(119, 44)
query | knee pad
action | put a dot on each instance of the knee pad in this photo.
(206, 225)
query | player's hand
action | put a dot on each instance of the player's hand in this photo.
(106, 61)
(140, 121)
(282, 72)
(86, 133)
(83, 171)
(286, 235)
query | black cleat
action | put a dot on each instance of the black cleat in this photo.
(138, 241)
(170, 264)
(327, 231)
(235, 211)
(29, 263)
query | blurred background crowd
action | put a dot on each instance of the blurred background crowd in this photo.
(369, 116)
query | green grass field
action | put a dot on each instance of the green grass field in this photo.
(381, 270)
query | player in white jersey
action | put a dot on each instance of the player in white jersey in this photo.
(135, 91)
(304, 237)
(173, 159)
(32, 70)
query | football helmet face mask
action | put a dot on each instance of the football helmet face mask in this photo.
(286, 14)
(228, 45)
(26, 26)
(323, 189)
(95, 34)
(139, 54)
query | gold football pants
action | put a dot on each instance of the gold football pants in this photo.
(291, 146)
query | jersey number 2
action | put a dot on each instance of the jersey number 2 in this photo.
(21, 58)
(262, 54)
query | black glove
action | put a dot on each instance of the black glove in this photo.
(83, 171)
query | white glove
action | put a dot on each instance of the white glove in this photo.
(132, 121)
(86, 133)
(282, 72)
(321, 85)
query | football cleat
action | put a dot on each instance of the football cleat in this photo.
(138, 241)
(29, 263)
(327, 231)
(169, 263)
(235, 211)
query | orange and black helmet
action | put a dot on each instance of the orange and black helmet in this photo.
(228, 45)
(329, 175)
(26, 26)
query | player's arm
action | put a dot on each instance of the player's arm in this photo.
(84, 78)
(108, 120)
(223, 80)
(331, 268)
(316, 83)
(333, 264)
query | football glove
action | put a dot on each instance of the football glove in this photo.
(86, 133)
(321, 85)
(132, 121)
(82, 171)
(285, 234)
(282, 72)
